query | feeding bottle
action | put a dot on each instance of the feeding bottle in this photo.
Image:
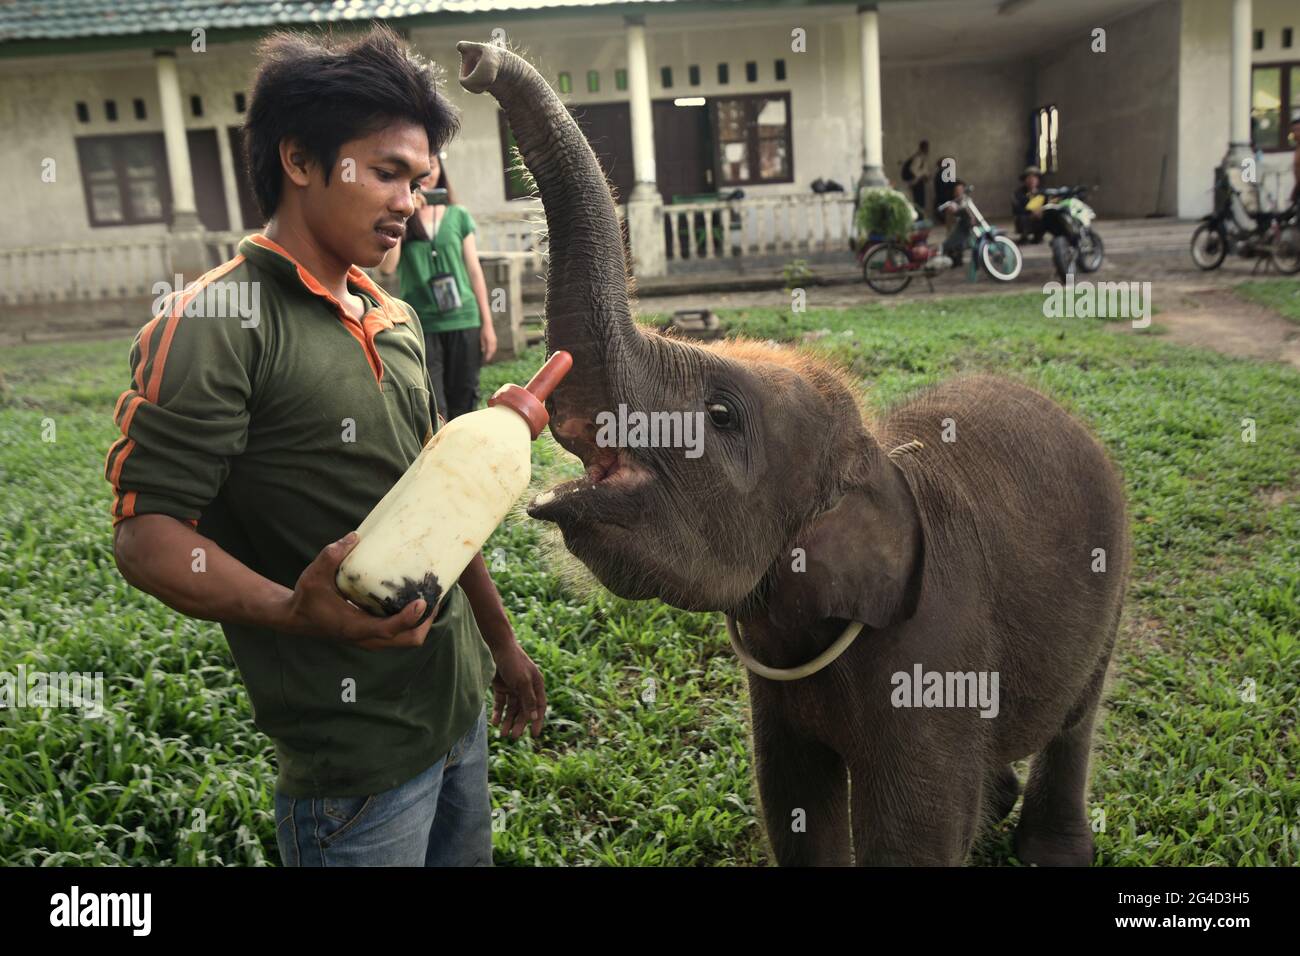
(420, 537)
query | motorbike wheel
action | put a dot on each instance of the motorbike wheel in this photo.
(1092, 251)
(1063, 257)
(1209, 246)
(1002, 259)
(1286, 251)
(887, 268)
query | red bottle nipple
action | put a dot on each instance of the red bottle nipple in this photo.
(530, 401)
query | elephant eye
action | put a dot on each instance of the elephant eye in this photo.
(720, 414)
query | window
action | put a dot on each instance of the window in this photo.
(241, 103)
(593, 81)
(666, 76)
(1259, 40)
(780, 69)
(83, 113)
(1274, 99)
(695, 75)
(1286, 38)
(751, 72)
(723, 73)
(566, 83)
(620, 79)
(196, 105)
(753, 139)
(110, 110)
(139, 109)
(1046, 122)
(125, 179)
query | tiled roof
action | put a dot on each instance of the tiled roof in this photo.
(73, 19)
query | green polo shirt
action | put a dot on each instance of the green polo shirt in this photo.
(422, 259)
(275, 431)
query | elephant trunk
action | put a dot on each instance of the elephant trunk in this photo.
(587, 309)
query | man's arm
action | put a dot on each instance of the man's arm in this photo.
(156, 553)
(518, 692)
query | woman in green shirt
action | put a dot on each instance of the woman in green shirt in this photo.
(440, 277)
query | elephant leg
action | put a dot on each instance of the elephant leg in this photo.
(1053, 828)
(1001, 791)
(803, 789)
(905, 820)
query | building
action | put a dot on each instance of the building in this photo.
(121, 124)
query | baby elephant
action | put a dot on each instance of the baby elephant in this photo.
(920, 600)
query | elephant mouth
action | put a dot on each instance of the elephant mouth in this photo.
(607, 494)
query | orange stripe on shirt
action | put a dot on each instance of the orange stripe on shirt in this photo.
(178, 303)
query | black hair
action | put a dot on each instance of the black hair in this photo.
(925, 145)
(324, 93)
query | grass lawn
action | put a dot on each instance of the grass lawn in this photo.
(1281, 295)
(644, 759)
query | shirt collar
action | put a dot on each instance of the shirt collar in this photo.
(271, 255)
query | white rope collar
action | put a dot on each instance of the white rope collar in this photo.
(826, 657)
(792, 673)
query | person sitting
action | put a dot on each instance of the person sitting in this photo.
(959, 223)
(943, 184)
(1027, 206)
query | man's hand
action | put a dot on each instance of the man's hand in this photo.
(487, 340)
(317, 609)
(518, 695)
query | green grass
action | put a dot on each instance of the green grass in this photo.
(1281, 295)
(1185, 770)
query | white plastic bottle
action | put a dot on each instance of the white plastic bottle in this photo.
(420, 537)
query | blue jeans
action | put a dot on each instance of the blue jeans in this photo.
(443, 817)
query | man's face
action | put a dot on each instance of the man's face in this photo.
(362, 213)
(1031, 182)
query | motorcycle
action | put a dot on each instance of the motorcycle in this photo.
(888, 265)
(991, 247)
(1069, 220)
(1271, 237)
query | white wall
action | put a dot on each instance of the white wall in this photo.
(826, 112)
(38, 100)
(1203, 94)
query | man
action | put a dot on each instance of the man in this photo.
(252, 446)
(916, 169)
(1027, 206)
(959, 223)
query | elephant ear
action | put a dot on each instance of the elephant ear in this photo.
(860, 560)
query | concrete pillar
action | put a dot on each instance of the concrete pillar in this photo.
(229, 180)
(638, 91)
(1239, 134)
(1239, 145)
(645, 213)
(873, 173)
(188, 253)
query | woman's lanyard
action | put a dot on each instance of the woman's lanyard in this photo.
(433, 235)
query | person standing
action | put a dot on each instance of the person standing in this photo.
(260, 443)
(439, 275)
(916, 172)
